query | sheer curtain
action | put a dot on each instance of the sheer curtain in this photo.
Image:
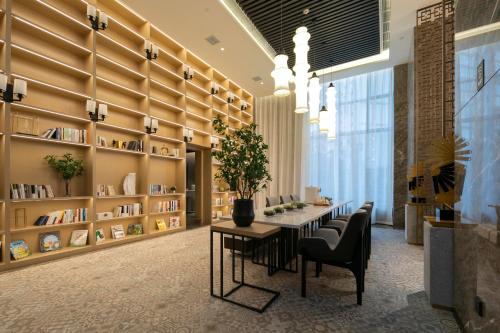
(358, 164)
(283, 130)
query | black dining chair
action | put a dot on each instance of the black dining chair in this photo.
(272, 201)
(295, 197)
(284, 199)
(346, 250)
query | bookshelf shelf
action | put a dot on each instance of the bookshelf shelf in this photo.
(233, 118)
(245, 113)
(121, 218)
(52, 254)
(120, 88)
(165, 104)
(44, 228)
(157, 67)
(124, 30)
(175, 59)
(119, 128)
(70, 21)
(166, 195)
(53, 88)
(166, 157)
(42, 200)
(234, 107)
(114, 65)
(120, 196)
(219, 99)
(165, 213)
(197, 117)
(219, 112)
(197, 102)
(168, 122)
(166, 88)
(199, 131)
(49, 141)
(122, 151)
(127, 238)
(122, 109)
(166, 232)
(29, 108)
(196, 87)
(164, 138)
(110, 42)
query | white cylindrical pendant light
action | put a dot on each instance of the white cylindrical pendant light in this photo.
(323, 119)
(314, 95)
(281, 75)
(301, 68)
(332, 110)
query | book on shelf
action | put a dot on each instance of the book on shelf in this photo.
(66, 216)
(50, 241)
(30, 191)
(19, 249)
(133, 209)
(174, 222)
(135, 229)
(79, 238)
(160, 189)
(166, 206)
(117, 231)
(133, 145)
(99, 235)
(218, 201)
(66, 134)
(105, 190)
(161, 225)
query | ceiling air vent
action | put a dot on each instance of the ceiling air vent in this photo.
(257, 78)
(212, 40)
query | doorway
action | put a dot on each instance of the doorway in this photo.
(198, 186)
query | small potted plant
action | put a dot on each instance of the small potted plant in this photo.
(173, 189)
(300, 205)
(68, 167)
(269, 212)
(243, 166)
(279, 210)
(288, 207)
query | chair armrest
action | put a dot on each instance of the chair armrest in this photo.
(315, 248)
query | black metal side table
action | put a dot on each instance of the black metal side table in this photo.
(257, 231)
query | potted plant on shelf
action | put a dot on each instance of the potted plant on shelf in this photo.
(244, 165)
(68, 167)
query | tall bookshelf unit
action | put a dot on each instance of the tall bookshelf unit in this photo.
(51, 45)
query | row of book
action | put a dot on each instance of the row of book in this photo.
(105, 190)
(166, 206)
(158, 189)
(66, 134)
(133, 209)
(30, 191)
(173, 222)
(72, 215)
(135, 145)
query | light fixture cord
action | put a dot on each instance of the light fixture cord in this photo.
(281, 25)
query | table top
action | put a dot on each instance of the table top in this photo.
(255, 230)
(295, 218)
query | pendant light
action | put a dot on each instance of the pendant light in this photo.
(330, 101)
(323, 116)
(281, 74)
(301, 68)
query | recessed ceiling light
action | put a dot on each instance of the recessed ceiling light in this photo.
(222, 49)
(261, 82)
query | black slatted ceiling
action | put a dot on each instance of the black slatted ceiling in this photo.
(341, 30)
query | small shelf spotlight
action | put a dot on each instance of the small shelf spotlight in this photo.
(214, 142)
(188, 72)
(12, 92)
(151, 125)
(96, 113)
(99, 22)
(151, 50)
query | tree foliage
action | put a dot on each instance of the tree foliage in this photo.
(67, 166)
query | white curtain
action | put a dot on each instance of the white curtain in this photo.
(283, 131)
(358, 165)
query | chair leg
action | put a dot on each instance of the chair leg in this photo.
(359, 287)
(318, 268)
(303, 277)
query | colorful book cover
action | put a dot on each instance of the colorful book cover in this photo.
(19, 249)
(50, 241)
(175, 222)
(135, 229)
(99, 236)
(117, 231)
(79, 238)
(161, 225)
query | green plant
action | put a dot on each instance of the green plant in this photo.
(67, 166)
(288, 207)
(279, 210)
(269, 212)
(243, 159)
(300, 205)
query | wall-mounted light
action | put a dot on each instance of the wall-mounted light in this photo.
(215, 88)
(244, 106)
(96, 113)
(12, 92)
(151, 125)
(214, 142)
(188, 135)
(230, 97)
(188, 72)
(151, 50)
(99, 22)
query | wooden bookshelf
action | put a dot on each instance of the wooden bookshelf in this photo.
(65, 62)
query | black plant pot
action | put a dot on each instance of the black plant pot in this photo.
(243, 213)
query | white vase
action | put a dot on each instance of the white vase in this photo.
(129, 184)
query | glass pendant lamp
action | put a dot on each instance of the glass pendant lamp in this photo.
(301, 68)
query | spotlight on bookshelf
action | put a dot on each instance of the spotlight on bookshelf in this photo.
(151, 125)
(12, 92)
(230, 97)
(215, 88)
(99, 22)
(151, 50)
(244, 106)
(96, 113)
(188, 72)
(214, 142)
(188, 135)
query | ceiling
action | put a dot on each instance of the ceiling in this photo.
(341, 30)
(190, 22)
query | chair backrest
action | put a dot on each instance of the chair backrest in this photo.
(295, 197)
(369, 209)
(351, 236)
(285, 199)
(272, 201)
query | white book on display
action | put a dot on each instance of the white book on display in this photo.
(129, 184)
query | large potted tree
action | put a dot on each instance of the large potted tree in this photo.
(244, 164)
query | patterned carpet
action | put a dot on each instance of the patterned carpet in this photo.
(162, 285)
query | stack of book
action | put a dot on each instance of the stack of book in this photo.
(105, 190)
(72, 215)
(28, 191)
(133, 209)
(66, 134)
(156, 189)
(166, 206)
(135, 145)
